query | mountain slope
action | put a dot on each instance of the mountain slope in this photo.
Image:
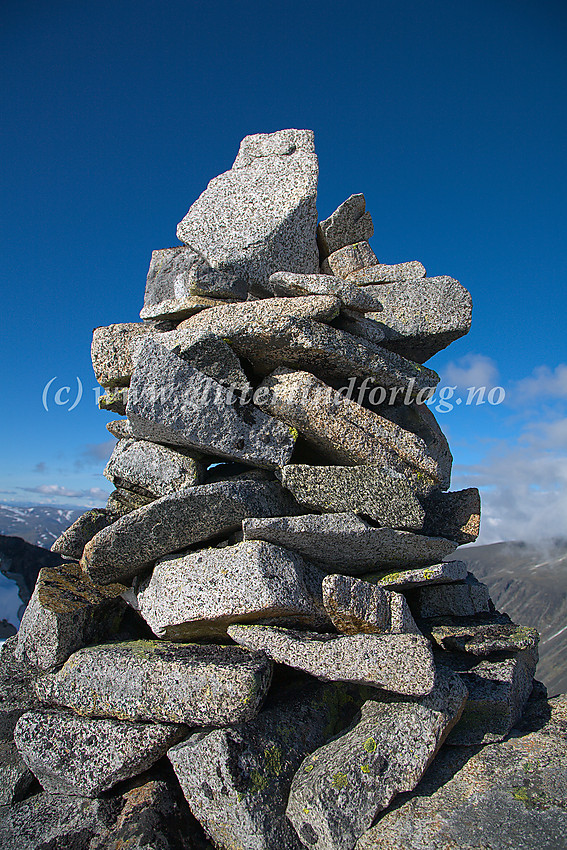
(40, 525)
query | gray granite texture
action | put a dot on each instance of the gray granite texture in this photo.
(382, 273)
(462, 599)
(111, 352)
(177, 309)
(152, 469)
(356, 606)
(455, 515)
(120, 428)
(348, 259)
(260, 217)
(347, 543)
(351, 297)
(349, 223)
(400, 663)
(445, 572)
(198, 595)
(340, 788)
(172, 523)
(172, 402)
(152, 680)
(72, 542)
(122, 501)
(483, 636)
(84, 756)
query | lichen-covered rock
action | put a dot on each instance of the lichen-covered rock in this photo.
(382, 495)
(85, 756)
(192, 515)
(66, 589)
(462, 599)
(482, 636)
(444, 573)
(351, 297)
(343, 261)
(339, 789)
(237, 780)
(507, 796)
(356, 606)
(382, 273)
(72, 542)
(203, 415)
(122, 501)
(161, 681)
(260, 216)
(114, 399)
(350, 222)
(201, 593)
(152, 469)
(347, 542)
(400, 663)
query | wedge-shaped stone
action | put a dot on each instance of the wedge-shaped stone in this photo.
(483, 636)
(114, 399)
(84, 756)
(237, 780)
(506, 796)
(382, 273)
(200, 594)
(349, 259)
(176, 274)
(384, 496)
(72, 542)
(344, 431)
(455, 515)
(349, 223)
(260, 216)
(352, 297)
(120, 428)
(154, 470)
(122, 501)
(332, 355)
(177, 309)
(161, 681)
(498, 691)
(356, 606)
(347, 543)
(111, 352)
(208, 354)
(47, 637)
(419, 317)
(175, 522)
(463, 599)
(401, 663)
(172, 402)
(340, 788)
(446, 572)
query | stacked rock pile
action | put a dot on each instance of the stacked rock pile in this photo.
(263, 616)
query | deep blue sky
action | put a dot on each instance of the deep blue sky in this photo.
(450, 117)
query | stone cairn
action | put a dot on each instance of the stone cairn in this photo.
(259, 644)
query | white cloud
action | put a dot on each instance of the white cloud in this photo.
(543, 383)
(472, 370)
(56, 491)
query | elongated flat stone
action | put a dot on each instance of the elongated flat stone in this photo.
(200, 594)
(161, 681)
(356, 606)
(463, 599)
(122, 501)
(382, 273)
(455, 515)
(177, 309)
(443, 573)
(237, 780)
(351, 296)
(482, 637)
(114, 399)
(340, 788)
(350, 222)
(201, 416)
(152, 469)
(380, 494)
(84, 756)
(175, 522)
(72, 542)
(120, 428)
(342, 430)
(260, 216)
(347, 543)
(111, 352)
(348, 259)
(400, 663)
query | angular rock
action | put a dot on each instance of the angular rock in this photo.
(338, 791)
(459, 600)
(72, 542)
(192, 515)
(446, 572)
(209, 355)
(481, 638)
(201, 593)
(355, 606)
(237, 779)
(419, 317)
(122, 501)
(342, 430)
(111, 352)
(347, 542)
(153, 470)
(352, 297)
(349, 223)
(260, 216)
(120, 428)
(48, 637)
(177, 309)
(172, 402)
(401, 663)
(454, 515)
(66, 590)
(114, 399)
(82, 756)
(380, 494)
(16, 697)
(161, 681)
(349, 259)
(498, 691)
(382, 273)
(15, 776)
(508, 795)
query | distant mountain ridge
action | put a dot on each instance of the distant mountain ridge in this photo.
(40, 525)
